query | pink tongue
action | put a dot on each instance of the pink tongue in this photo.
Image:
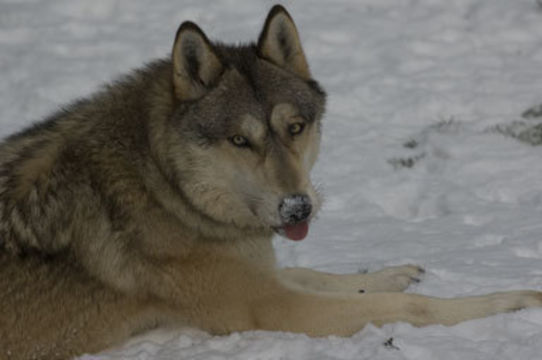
(297, 231)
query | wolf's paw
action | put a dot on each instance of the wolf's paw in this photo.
(396, 278)
(515, 300)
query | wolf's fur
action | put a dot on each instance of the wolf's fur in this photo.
(154, 202)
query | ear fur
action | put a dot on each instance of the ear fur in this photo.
(279, 42)
(195, 65)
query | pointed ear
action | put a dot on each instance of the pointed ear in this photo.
(279, 42)
(195, 64)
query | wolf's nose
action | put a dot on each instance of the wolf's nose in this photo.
(295, 209)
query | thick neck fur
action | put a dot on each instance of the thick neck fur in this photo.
(111, 151)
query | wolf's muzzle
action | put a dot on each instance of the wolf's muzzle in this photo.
(295, 209)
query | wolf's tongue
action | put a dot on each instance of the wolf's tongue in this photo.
(298, 231)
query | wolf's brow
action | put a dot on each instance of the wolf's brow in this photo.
(253, 127)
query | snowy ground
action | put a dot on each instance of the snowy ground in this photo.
(418, 163)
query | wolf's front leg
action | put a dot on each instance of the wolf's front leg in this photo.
(391, 279)
(227, 295)
(322, 315)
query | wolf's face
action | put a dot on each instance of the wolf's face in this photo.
(249, 121)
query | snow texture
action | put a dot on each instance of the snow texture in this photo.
(422, 161)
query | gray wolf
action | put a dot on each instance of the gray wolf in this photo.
(153, 203)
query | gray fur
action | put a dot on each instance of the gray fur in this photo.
(94, 189)
(153, 203)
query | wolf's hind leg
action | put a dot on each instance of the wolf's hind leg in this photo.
(391, 279)
(57, 312)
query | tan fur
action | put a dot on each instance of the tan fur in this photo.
(35, 170)
(134, 209)
(191, 43)
(281, 32)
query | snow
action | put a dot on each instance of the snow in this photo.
(420, 161)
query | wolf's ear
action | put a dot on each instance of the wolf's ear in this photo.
(279, 42)
(195, 64)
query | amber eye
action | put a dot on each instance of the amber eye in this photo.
(296, 128)
(239, 141)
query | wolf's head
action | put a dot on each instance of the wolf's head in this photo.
(247, 127)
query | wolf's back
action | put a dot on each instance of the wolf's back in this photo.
(55, 175)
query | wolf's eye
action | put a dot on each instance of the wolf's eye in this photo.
(239, 141)
(296, 128)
